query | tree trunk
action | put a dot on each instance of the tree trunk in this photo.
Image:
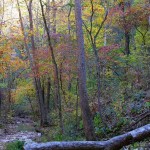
(127, 43)
(38, 82)
(33, 64)
(124, 6)
(114, 143)
(86, 114)
(32, 108)
(9, 86)
(56, 74)
(0, 102)
(54, 10)
(98, 70)
(48, 94)
(77, 106)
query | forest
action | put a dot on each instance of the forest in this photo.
(74, 74)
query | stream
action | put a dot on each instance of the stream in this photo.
(21, 129)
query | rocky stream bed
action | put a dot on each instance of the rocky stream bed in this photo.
(24, 129)
(21, 129)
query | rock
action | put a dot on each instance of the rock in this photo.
(28, 141)
(14, 135)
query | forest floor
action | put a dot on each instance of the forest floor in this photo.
(19, 129)
(24, 129)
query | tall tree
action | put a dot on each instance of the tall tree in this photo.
(93, 39)
(86, 114)
(33, 63)
(56, 72)
(124, 6)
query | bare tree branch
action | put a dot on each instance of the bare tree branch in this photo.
(100, 27)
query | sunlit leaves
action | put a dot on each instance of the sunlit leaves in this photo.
(24, 89)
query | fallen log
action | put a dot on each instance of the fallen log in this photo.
(114, 143)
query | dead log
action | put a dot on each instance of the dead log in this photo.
(114, 143)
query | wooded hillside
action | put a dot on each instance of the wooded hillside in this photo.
(79, 69)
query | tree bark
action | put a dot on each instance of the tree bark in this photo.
(124, 6)
(0, 102)
(114, 143)
(56, 73)
(48, 94)
(33, 64)
(77, 106)
(93, 37)
(127, 43)
(86, 114)
(54, 10)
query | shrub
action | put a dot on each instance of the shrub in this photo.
(17, 145)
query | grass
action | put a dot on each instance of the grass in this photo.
(16, 145)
